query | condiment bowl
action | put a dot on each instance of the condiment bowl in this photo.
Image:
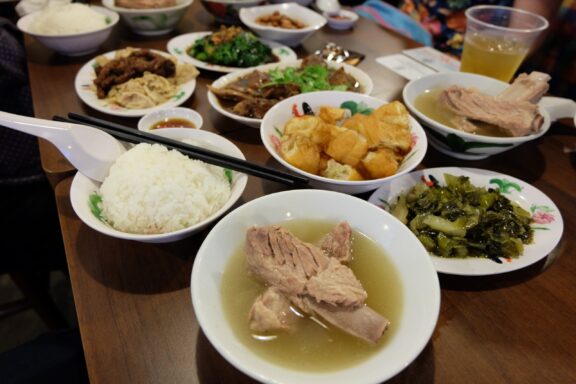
(178, 117)
(76, 44)
(311, 20)
(457, 143)
(151, 21)
(273, 126)
(227, 11)
(343, 19)
(83, 190)
(366, 85)
(420, 292)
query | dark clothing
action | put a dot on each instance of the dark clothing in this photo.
(31, 238)
(55, 357)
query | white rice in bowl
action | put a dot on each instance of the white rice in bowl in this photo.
(64, 19)
(151, 189)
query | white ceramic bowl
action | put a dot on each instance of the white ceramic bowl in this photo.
(83, 187)
(454, 142)
(276, 118)
(291, 37)
(420, 287)
(147, 121)
(151, 21)
(227, 11)
(76, 44)
(301, 2)
(344, 19)
(362, 77)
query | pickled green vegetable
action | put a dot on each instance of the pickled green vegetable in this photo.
(462, 220)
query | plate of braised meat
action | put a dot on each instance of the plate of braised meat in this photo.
(133, 82)
(247, 95)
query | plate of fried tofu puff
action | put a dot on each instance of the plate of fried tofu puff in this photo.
(343, 141)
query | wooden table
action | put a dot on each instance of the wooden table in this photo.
(133, 300)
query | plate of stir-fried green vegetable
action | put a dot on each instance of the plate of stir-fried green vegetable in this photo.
(473, 221)
(244, 51)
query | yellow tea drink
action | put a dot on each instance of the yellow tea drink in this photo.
(497, 39)
(492, 56)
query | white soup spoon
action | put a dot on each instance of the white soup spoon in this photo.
(89, 149)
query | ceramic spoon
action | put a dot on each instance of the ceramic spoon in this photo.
(88, 149)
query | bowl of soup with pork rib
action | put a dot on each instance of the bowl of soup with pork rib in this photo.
(470, 116)
(301, 292)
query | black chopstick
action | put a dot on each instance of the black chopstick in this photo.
(132, 135)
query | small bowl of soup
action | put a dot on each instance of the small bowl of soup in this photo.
(178, 117)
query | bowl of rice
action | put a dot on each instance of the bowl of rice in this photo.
(156, 195)
(70, 29)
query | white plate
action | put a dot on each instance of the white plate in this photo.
(361, 76)
(548, 224)
(420, 287)
(179, 45)
(85, 78)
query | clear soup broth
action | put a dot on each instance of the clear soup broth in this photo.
(312, 347)
(429, 105)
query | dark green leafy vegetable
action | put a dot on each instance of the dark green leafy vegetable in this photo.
(461, 220)
(243, 50)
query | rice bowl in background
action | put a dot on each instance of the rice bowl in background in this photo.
(74, 39)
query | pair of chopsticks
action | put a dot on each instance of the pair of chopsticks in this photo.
(132, 135)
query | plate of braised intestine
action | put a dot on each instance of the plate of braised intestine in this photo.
(474, 222)
(228, 50)
(132, 82)
(247, 95)
(315, 287)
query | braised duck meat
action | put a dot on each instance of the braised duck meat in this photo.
(260, 89)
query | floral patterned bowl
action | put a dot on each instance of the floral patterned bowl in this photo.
(275, 119)
(454, 142)
(151, 21)
(227, 11)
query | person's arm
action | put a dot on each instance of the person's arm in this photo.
(548, 9)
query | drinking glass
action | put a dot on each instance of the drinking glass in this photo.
(497, 39)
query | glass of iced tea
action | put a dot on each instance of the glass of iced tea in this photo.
(497, 39)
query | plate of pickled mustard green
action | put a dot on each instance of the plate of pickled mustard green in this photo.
(474, 222)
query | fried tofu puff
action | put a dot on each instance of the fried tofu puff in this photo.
(311, 127)
(331, 115)
(393, 119)
(301, 152)
(346, 146)
(380, 163)
(335, 170)
(385, 127)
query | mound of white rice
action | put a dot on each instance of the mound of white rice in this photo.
(151, 189)
(65, 19)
